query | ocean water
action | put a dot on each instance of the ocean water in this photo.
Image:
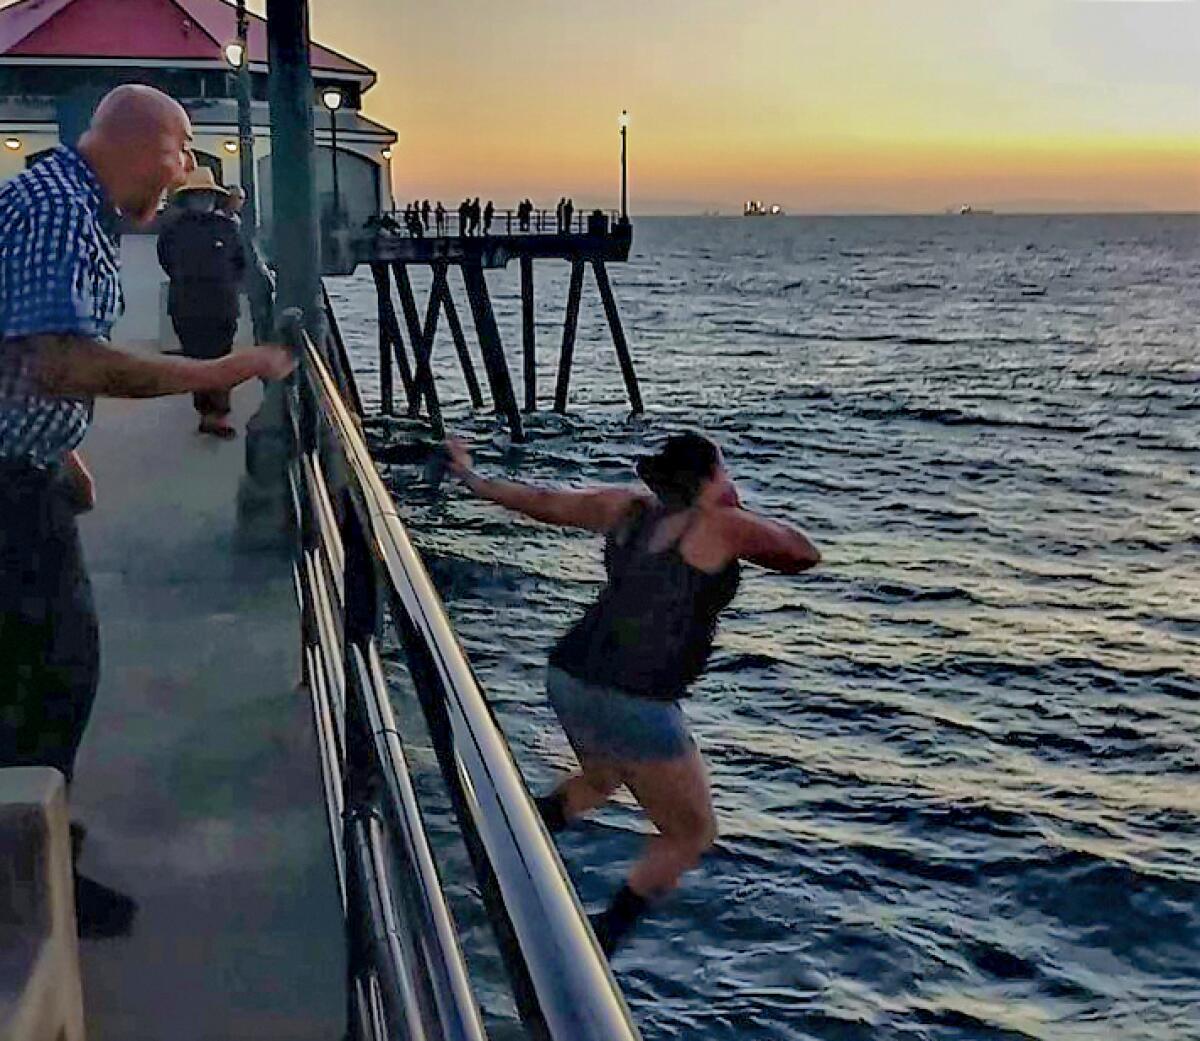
(957, 767)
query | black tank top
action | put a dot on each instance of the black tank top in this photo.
(651, 629)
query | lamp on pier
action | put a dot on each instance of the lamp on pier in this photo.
(237, 54)
(623, 123)
(391, 192)
(332, 99)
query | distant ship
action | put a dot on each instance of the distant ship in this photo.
(759, 209)
(966, 210)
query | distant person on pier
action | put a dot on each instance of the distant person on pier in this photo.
(568, 213)
(476, 215)
(425, 208)
(673, 552)
(524, 208)
(202, 254)
(60, 294)
(558, 214)
(408, 217)
(418, 230)
(464, 218)
(233, 204)
(439, 214)
(489, 213)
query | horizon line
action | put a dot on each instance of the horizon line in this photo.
(928, 213)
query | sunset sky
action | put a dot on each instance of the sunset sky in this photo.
(819, 105)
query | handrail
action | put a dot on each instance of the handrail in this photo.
(561, 981)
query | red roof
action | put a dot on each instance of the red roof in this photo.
(154, 30)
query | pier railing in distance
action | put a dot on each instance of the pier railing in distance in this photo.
(355, 570)
(504, 222)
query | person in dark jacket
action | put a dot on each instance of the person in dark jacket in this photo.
(201, 252)
(672, 553)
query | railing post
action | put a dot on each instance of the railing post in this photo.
(359, 626)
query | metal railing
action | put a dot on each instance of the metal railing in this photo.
(504, 222)
(356, 569)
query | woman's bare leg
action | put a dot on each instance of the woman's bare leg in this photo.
(675, 795)
(580, 793)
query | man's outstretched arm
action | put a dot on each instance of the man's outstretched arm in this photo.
(78, 366)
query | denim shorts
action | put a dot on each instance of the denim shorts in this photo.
(607, 722)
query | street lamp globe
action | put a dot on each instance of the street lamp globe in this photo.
(623, 119)
(331, 98)
(386, 153)
(235, 53)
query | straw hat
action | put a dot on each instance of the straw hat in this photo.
(201, 180)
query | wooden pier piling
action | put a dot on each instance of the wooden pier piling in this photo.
(389, 331)
(570, 324)
(528, 346)
(595, 241)
(441, 288)
(493, 351)
(618, 336)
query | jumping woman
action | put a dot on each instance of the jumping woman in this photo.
(672, 552)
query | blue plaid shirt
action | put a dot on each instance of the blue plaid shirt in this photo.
(59, 274)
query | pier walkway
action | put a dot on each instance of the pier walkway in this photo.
(198, 779)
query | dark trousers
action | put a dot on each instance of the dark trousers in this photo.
(207, 338)
(49, 640)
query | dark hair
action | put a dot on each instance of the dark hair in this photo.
(676, 472)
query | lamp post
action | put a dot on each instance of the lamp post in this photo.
(237, 54)
(623, 123)
(391, 192)
(331, 98)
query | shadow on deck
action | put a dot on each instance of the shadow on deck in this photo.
(198, 778)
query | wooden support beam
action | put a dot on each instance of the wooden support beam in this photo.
(423, 379)
(389, 329)
(568, 342)
(425, 364)
(618, 335)
(441, 286)
(493, 351)
(387, 394)
(527, 334)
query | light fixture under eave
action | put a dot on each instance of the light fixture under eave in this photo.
(623, 119)
(231, 147)
(235, 53)
(12, 143)
(386, 153)
(332, 99)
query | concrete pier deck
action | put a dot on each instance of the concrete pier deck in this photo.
(197, 778)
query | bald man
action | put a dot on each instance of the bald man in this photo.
(60, 293)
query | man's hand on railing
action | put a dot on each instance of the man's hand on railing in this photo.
(268, 362)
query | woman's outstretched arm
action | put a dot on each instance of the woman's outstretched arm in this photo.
(595, 509)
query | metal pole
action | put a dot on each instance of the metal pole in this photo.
(337, 195)
(624, 172)
(297, 236)
(245, 125)
(264, 501)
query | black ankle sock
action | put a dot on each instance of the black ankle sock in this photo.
(553, 808)
(617, 921)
